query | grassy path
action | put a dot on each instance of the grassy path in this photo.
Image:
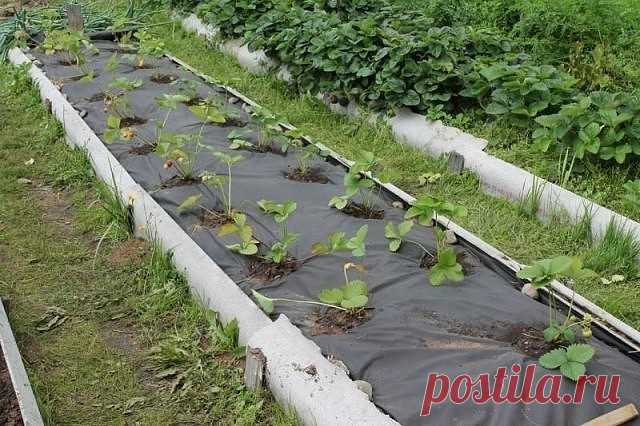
(112, 338)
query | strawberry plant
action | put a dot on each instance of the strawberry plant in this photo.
(269, 128)
(632, 194)
(561, 331)
(571, 360)
(278, 252)
(519, 92)
(178, 155)
(217, 111)
(170, 104)
(238, 138)
(229, 161)
(338, 241)
(358, 181)
(114, 132)
(425, 210)
(147, 46)
(70, 45)
(604, 125)
(248, 245)
(351, 297)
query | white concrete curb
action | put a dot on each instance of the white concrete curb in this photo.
(24, 394)
(340, 403)
(497, 176)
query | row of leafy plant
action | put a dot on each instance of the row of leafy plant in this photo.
(565, 336)
(386, 58)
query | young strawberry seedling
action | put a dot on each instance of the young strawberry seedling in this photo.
(351, 297)
(561, 334)
(147, 46)
(248, 245)
(269, 128)
(425, 210)
(305, 155)
(70, 45)
(358, 182)
(238, 138)
(180, 152)
(278, 252)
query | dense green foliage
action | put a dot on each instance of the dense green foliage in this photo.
(386, 56)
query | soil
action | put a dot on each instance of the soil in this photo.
(527, 339)
(195, 101)
(266, 271)
(360, 211)
(80, 77)
(131, 121)
(142, 149)
(311, 176)
(9, 408)
(98, 97)
(233, 122)
(337, 322)
(213, 219)
(130, 252)
(163, 78)
(145, 66)
(180, 181)
(427, 262)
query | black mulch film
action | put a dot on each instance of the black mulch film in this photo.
(414, 329)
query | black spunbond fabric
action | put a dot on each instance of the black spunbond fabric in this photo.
(414, 328)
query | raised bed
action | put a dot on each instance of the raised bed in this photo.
(411, 328)
(17, 403)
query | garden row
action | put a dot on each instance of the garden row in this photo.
(385, 58)
(199, 151)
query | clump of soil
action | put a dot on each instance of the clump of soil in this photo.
(310, 176)
(266, 271)
(335, 321)
(130, 252)
(180, 181)
(98, 97)
(163, 78)
(193, 101)
(131, 121)
(213, 219)
(145, 149)
(529, 341)
(81, 76)
(232, 122)
(427, 262)
(9, 408)
(362, 212)
(145, 66)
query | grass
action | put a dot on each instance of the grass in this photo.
(134, 347)
(495, 220)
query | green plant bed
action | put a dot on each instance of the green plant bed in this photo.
(497, 221)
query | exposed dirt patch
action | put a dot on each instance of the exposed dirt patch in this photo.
(98, 97)
(145, 66)
(55, 206)
(362, 212)
(427, 262)
(9, 408)
(180, 181)
(194, 101)
(525, 338)
(163, 78)
(232, 122)
(142, 149)
(528, 340)
(310, 176)
(81, 76)
(130, 252)
(214, 218)
(131, 121)
(266, 271)
(335, 321)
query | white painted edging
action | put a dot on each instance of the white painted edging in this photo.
(497, 176)
(19, 378)
(328, 398)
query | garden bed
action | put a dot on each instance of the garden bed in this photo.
(397, 342)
